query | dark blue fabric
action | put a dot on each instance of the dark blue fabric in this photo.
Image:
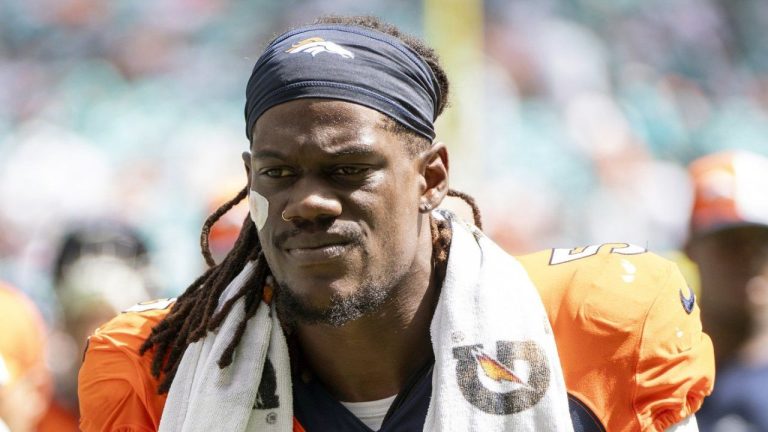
(739, 402)
(318, 411)
(583, 419)
(383, 74)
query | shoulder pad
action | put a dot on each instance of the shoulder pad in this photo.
(157, 304)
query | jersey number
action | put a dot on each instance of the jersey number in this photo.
(562, 255)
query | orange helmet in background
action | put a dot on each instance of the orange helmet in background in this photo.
(730, 190)
(25, 381)
(22, 342)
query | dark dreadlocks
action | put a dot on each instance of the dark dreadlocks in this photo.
(195, 311)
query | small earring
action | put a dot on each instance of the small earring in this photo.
(282, 215)
(426, 207)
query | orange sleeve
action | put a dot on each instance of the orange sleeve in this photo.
(116, 389)
(630, 352)
(676, 365)
(58, 419)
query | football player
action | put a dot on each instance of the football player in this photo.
(348, 303)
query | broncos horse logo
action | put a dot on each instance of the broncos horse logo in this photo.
(316, 45)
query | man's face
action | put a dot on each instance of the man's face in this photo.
(726, 261)
(351, 194)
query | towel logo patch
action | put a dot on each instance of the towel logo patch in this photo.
(266, 396)
(316, 45)
(508, 383)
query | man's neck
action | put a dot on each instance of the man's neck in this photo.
(373, 357)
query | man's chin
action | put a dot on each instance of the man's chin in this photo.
(337, 310)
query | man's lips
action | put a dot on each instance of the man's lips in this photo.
(316, 255)
(316, 248)
(314, 241)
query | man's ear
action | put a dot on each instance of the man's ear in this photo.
(434, 168)
(247, 163)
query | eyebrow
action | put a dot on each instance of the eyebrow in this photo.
(265, 154)
(353, 150)
(348, 150)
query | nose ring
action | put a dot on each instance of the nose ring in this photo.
(282, 215)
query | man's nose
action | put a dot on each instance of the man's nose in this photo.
(310, 201)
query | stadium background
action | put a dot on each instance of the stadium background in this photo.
(571, 121)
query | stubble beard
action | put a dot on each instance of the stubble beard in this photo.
(341, 309)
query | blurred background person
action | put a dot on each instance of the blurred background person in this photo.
(25, 381)
(102, 268)
(729, 242)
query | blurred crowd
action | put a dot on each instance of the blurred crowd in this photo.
(121, 127)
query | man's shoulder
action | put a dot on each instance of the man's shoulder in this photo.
(116, 387)
(596, 258)
(130, 328)
(611, 291)
(627, 330)
(614, 276)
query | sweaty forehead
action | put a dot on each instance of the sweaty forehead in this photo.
(311, 120)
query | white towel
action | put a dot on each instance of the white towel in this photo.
(204, 397)
(496, 364)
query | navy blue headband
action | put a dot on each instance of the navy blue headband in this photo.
(348, 63)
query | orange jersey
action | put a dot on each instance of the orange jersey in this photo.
(58, 419)
(628, 334)
(116, 389)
